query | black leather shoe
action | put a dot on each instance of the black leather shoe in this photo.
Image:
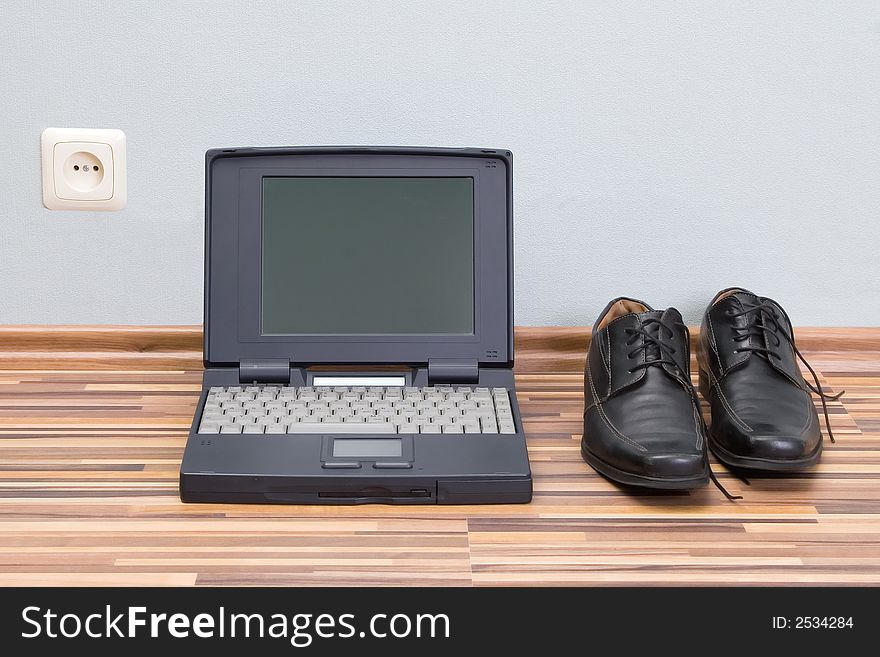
(642, 422)
(763, 417)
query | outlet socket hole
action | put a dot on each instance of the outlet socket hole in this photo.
(83, 171)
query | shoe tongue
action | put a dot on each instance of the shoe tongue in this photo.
(742, 300)
(652, 351)
(736, 303)
(739, 297)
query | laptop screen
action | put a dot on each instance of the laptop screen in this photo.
(367, 255)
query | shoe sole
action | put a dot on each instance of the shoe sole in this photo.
(732, 460)
(642, 481)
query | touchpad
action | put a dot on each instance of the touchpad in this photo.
(367, 448)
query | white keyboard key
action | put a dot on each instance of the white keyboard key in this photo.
(341, 427)
(253, 428)
(230, 428)
(430, 428)
(209, 427)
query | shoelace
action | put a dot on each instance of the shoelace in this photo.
(665, 355)
(769, 325)
(666, 352)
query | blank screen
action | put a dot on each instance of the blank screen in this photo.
(367, 255)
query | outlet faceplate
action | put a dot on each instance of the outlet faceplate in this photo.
(83, 169)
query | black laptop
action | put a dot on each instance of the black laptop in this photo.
(358, 329)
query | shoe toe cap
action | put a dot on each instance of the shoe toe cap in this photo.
(675, 465)
(781, 447)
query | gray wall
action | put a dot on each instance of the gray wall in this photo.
(661, 151)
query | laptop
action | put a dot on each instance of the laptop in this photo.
(358, 329)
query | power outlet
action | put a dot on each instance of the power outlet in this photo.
(83, 169)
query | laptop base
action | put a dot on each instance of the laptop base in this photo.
(377, 490)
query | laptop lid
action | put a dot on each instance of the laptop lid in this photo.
(358, 255)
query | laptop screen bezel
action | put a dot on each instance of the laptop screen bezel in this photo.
(234, 250)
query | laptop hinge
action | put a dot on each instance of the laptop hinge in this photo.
(264, 370)
(453, 370)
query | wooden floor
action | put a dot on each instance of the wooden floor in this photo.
(93, 423)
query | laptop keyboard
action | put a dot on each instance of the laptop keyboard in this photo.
(290, 410)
